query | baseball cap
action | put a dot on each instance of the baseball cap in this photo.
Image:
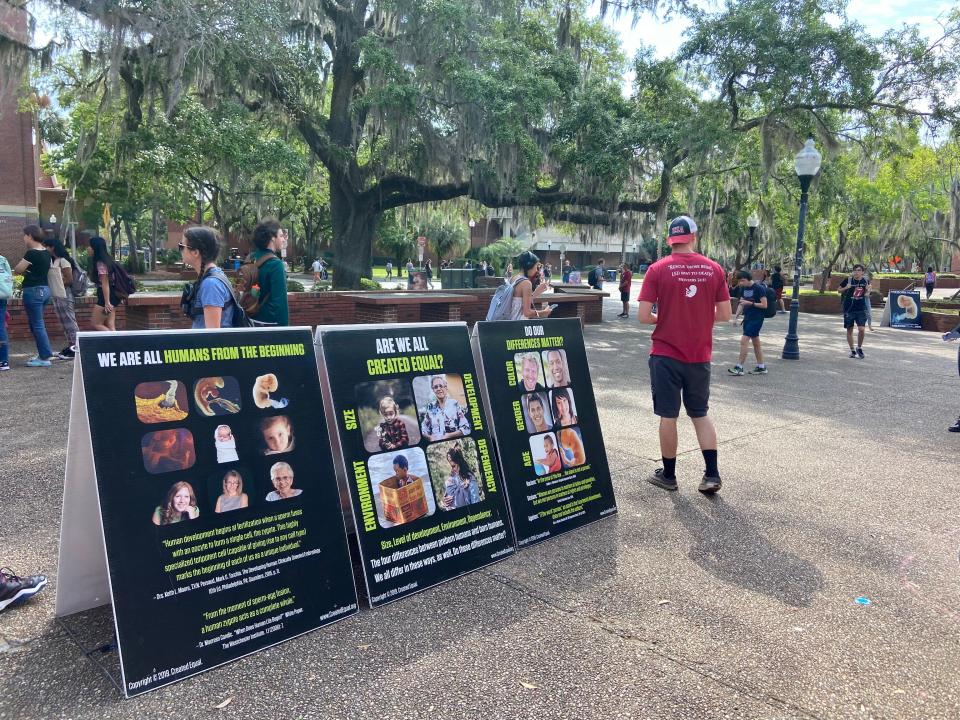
(682, 230)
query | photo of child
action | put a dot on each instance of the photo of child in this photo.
(546, 457)
(277, 435)
(536, 412)
(226, 444)
(572, 453)
(454, 471)
(442, 406)
(162, 401)
(529, 371)
(217, 396)
(387, 415)
(401, 487)
(558, 373)
(168, 451)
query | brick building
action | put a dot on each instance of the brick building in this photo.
(19, 161)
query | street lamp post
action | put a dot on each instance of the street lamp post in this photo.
(807, 165)
(752, 223)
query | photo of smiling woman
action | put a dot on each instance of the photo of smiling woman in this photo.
(233, 497)
(180, 504)
(536, 414)
(281, 475)
(443, 417)
(564, 411)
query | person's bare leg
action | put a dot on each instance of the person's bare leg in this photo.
(707, 438)
(98, 319)
(626, 307)
(744, 346)
(861, 331)
(757, 350)
(850, 337)
(706, 433)
(668, 437)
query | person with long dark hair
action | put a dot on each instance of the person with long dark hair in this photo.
(524, 290)
(460, 488)
(60, 277)
(102, 262)
(36, 292)
(212, 303)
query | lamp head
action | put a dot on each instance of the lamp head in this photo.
(753, 221)
(807, 162)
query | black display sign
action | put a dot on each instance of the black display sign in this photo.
(423, 480)
(545, 424)
(904, 309)
(217, 495)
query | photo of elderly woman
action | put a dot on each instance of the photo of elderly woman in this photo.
(233, 497)
(563, 407)
(536, 413)
(387, 415)
(529, 371)
(454, 473)
(281, 475)
(558, 374)
(572, 453)
(442, 406)
(168, 451)
(546, 457)
(277, 435)
(180, 504)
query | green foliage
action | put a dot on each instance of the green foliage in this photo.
(295, 286)
(501, 252)
(368, 284)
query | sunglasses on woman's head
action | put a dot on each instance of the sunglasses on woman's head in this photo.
(184, 246)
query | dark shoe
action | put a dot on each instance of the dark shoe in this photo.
(759, 370)
(860, 353)
(735, 370)
(4, 366)
(15, 589)
(853, 353)
(661, 481)
(955, 427)
(710, 485)
(66, 354)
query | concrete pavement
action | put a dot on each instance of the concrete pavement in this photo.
(839, 483)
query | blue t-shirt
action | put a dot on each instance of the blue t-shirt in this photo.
(754, 293)
(213, 292)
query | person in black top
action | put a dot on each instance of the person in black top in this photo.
(855, 290)
(753, 301)
(36, 292)
(776, 282)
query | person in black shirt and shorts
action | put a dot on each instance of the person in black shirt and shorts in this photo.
(753, 301)
(776, 282)
(855, 290)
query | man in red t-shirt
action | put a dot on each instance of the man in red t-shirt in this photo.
(626, 278)
(691, 294)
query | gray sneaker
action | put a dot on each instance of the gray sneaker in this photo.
(660, 481)
(710, 485)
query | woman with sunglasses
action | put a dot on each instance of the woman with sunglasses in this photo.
(527, 288)
(212, 302)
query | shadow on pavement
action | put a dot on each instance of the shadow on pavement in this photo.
(731, 548)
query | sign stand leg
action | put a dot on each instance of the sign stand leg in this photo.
(96, 652)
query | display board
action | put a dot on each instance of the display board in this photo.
(411, 436)
(200, 498)
(904, 309)
(537, 381)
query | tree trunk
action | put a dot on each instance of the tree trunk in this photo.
(353, 228)
(134, 248)
(841, 247)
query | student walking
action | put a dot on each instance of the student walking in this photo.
(60, 278)
(753, 302)
(316, 267)
(855, 290)
(626, 280)
(212, 303)
(930, 281)
(595, 277)
(776, 282)
(35, 267)
(273, 307)
(6, 292)
(690, 292)
(103, 316)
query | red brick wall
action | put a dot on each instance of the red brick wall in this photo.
(150, 312)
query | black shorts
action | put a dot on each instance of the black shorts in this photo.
(672, 379)
(114, 300)
(854, 316)
(624, 296)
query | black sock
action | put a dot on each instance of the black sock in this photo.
(670, 468)
(710, 458)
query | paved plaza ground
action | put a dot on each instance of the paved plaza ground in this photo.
(840, 482)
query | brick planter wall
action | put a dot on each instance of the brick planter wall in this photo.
(151, 312)
(939, 322)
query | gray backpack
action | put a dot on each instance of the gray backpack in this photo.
(501, 304)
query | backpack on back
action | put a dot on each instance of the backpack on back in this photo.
(771, 309)
(120, 282)
(501, 304)
(248, 286)
(6, 279)
(188, 298)
(80, 283)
